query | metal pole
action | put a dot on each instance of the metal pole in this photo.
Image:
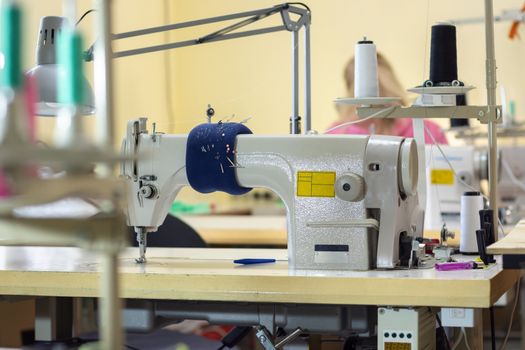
(491, 102)
(103, 75)
(70, 12)
(109, 312)
(294, 122)
(307, 82)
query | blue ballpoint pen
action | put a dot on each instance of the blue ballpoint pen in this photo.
(253, 261)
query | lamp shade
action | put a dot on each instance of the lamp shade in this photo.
(47, 72)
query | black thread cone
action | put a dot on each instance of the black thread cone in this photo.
(461, 100)
(443, 56)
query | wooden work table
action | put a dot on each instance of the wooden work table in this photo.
(512, 248)
(513, 243)
(209, 275)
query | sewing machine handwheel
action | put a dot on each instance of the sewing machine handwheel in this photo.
(350, 187)
(408, 167)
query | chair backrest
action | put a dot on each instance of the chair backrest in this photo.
(173, 233)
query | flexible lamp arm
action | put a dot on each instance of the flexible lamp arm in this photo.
(223, 34)
(228, 32)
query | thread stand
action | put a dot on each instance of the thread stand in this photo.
(366, 101)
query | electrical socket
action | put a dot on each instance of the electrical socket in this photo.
(457, 317)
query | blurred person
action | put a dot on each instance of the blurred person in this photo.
(389, 86)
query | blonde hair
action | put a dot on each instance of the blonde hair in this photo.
(389, 85)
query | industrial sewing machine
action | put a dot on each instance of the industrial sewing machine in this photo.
(350, 199)
(444, 189)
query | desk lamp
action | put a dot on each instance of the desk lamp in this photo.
(47, 72)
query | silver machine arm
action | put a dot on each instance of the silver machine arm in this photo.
(349, 199)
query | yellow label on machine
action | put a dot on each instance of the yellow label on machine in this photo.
(441, 177)
(315, 184)
(398, 346)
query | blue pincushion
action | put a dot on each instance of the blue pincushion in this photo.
(210, 157)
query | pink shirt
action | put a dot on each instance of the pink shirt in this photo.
(401, 127)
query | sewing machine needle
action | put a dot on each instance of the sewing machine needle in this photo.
(143, 243)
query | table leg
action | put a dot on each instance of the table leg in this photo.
(314, 342)
(53, 318)
(521, 295)
(475, 335)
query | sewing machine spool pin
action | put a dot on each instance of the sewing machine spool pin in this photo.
(210, 112)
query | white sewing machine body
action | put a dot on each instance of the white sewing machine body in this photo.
(362, 190)
(444, 191)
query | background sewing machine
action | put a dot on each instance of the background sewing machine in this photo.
(512, 184)
(348, 198)
(444, 189)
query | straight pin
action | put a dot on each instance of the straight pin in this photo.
(233, 165)
(244, 121)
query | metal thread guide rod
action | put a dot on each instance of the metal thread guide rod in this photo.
(295, 119)
(307, 81)
(492, 109)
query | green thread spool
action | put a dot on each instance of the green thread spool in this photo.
(70, 83)
(11, 46)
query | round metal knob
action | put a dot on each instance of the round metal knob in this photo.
(148, 191)
(350, 187)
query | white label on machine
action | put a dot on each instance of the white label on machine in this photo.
(331, 254)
